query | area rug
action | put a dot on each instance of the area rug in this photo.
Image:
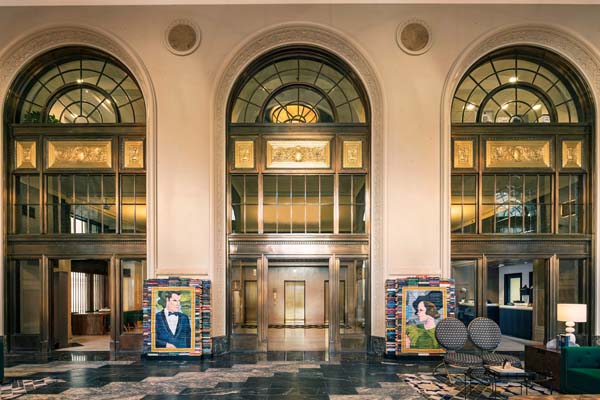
(23, 386)
(437, 387)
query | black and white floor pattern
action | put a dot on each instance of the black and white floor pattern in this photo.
(437, 387)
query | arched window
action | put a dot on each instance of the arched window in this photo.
(77, 86)
(308, 87)
(509, 154)
(77, 131)
(308, 92)
(521, 220)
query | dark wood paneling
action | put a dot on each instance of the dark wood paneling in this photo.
(73, 246)
(544, 361)
(133, 342)
(542, 246)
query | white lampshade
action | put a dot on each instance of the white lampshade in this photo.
(571, 312)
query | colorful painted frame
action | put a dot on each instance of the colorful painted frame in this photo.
(423, 308)
(186, 317)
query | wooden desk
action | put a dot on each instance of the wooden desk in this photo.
(90, 323)
(545, 361)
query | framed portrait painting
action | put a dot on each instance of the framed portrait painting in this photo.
(422, 309)
(172, 323)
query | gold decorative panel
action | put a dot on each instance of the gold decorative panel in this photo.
(352, 154)
(517, 153)
(25, 154)
(463, 154)
(298, 154)
(133, 154)
(244, 154)
(71, 154)
(571, 154)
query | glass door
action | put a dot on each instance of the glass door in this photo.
(244, 302)
(352, 303)
(26, 306)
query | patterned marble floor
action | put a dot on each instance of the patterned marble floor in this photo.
(273, 375)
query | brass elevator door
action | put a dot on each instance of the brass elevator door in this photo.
(294, 303)
(250, 302)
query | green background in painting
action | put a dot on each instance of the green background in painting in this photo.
(185, 302)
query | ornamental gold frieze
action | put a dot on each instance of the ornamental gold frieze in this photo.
(25, 154)
(463, 154)
(291, 154)
(571, 154)
(133, 154)
(244, 154)
(352, 150)
(517, 153)
(68, 154)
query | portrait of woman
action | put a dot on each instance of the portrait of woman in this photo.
(423, 310)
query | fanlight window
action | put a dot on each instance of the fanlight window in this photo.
(82, 90)
(515, 88)
(298, 89)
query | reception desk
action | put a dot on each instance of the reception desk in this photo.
(516, 321)
(96, 323)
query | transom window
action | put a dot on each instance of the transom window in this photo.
(299, 88)
(84, 88)
(516, 86)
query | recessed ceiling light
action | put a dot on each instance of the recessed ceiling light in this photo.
(513, 79)
(470, 107)
(80, 81)
(537, 107)
(504, 106)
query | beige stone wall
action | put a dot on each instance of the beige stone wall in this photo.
(412, 87)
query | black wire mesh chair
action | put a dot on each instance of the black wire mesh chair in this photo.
(486, 336)
(452, 335)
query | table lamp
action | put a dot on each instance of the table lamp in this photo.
(571, 313)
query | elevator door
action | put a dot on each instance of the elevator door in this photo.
(294, 303)
(250, 303)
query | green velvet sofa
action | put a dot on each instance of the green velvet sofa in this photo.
(580, 370)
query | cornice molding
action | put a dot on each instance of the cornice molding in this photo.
(253, 48)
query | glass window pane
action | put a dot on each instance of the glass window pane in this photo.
(456, 190)
(270, 189)
(312, 219)
(236, 219)
(20, 213)
(81, 189)
(284, 222)
(345, 189)
(456, 218)
(21, 189)
(95, 187)
(251, 189)
(34, 219)
(109, 189)
(251, 218)
(128, 189)
(34, 189)
(140, 189)
(140, 218)
(359, 187)
(326, 218)
(488, 191)
(237, 189)
(502, 189)
(298, 189)
(52, 219)
(133, 274)
(109, 219)
(572, 289)
(298, 218)
(127, 219)
(284, 189)
(52, 192)
(345, 219)
(327, 189)
(270, 219)
(469, 219)
(470, 189)
(360, 218)
(464, 275)
(312, 189)
(66, 188)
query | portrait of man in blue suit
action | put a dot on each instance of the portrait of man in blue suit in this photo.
(172, 327)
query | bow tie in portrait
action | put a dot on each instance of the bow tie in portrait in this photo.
(172, 313)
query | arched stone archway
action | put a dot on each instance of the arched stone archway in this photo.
(254, 47)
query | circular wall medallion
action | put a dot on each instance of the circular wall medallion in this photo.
(414, 37)
(182, 37)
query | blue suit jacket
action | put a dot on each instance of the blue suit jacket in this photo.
(182, 337)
